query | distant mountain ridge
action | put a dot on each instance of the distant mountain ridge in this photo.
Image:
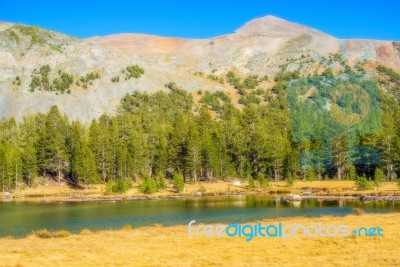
(262, 46)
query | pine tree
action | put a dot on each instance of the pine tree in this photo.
(83, 167)
(52, 152)
(29, 153)
(99, 143)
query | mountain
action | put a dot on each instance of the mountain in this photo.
(86, 78)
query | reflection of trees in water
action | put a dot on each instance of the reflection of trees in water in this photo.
(267, 201)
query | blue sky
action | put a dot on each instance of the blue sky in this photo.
(205, 18)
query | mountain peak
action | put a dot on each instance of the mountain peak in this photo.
(272, 26)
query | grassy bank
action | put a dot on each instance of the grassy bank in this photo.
(320, 188)
(171, 246)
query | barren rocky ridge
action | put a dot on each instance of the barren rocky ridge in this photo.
(262, 46)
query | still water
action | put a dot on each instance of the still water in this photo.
(21, 218)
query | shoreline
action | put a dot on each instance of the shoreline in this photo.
(278, 196)
(332, 190)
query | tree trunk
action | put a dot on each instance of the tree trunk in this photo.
(340, 169)
(16, 176)
(58, 176)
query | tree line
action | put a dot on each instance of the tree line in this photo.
(169, 133)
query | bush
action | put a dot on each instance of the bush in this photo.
(233, 80)
(44, 234)
(398, 183)
(251, 82)
(327, 72)
(148, 186)
(121, 186)
(133, 71)
(250, 99)
(251, 184)
(262, 181)
(161, 184)
(41, 80)
(89, 78)
(379, 177)
(310, 176)
(202, 189)
(61, 234)
(290, 180)
(86, 232)
(178, 182)
(358, 211)
(362, 183)
(287, 76)
(172, 86)
(351, 173)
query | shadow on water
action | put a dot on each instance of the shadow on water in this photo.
(21, 218)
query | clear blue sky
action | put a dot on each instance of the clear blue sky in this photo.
(205, 18)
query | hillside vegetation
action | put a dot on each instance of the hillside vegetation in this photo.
(166, 134)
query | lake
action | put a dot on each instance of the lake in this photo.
(21, 218)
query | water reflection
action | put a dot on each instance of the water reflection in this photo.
(268, 201)
(21, 218)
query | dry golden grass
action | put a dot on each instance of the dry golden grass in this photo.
(339, 188)
(171, 246)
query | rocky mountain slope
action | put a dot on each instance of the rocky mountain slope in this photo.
(86, 78)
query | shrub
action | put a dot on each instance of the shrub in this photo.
(252, 98)
(41, 81)
(351, 173)
(251, 184)
(62, 83)
(45, 234)
(121, 186)
(379, 177)
(172, 86)
(285, 76)
(56, 48)
(60, 234)
(358, 211)
(398, 183)
(265, 78)
(42, 234)
(362, 183)
(33, 32)
(178, 182)
(251, 82)
(89, 78)
(216, 78)
(290, 180)
(327, 72)
(310, 175)
(14, 36)
(233, 80)
(202, 189)
(262, 181)
(347, 69)
(133, 71)
(148, 186)
(161, 184)
(85, 232)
